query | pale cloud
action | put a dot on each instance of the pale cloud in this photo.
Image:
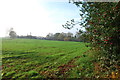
(24, 16)
(27, 16)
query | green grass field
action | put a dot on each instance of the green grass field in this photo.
(32, 58)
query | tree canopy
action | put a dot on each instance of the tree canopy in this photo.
(102, 22)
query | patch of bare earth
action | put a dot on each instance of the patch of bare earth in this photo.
(62, 70)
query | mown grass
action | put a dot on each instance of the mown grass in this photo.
(31, 58)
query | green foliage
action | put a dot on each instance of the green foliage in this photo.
(102, 22)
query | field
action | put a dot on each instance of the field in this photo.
(32, 58)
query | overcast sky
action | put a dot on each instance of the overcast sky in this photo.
(39, 17)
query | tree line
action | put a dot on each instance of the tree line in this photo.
(65, 36)
(79, 36)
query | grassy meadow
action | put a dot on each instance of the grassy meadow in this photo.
(32, 58)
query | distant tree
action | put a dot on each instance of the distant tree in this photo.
(61, 36)
(81, 36)
(70, 35)
(12, 33)
(56, 36)
(50, 36)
